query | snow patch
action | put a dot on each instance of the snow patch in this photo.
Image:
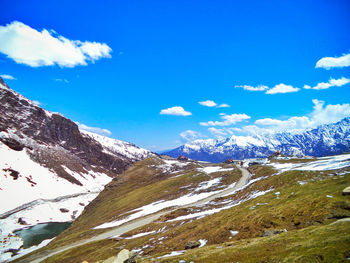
(157, 206)
(172, 166)
(214, 169)
(322, 164)
(204, 213)
(36, 194)
(173, 253)
(35, 182)
(202, 242)
(208, 184)
(23, 252)
(234, 232)
(137, 235)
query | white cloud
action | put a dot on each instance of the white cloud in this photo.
(320, 115)
(331, 83)
(292, 123)
(94, 129)
(255, 130)
(282, 88)
(177, 111)
(223, 132)
(232, 130)
(5, 76)
(208, 103)
(334, 62)
(28, 46)
(190, 135)
(62, 80)
(217, 132)
(227, 120)
(252, 88)
(328, 114)
(269, 121)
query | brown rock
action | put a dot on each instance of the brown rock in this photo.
(21, 221)
(13, 144)
(272, 232)
(192, 244)
(182, 158)
(346, 191)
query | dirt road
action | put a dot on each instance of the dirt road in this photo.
(119, 230)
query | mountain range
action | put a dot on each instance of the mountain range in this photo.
(324, 140)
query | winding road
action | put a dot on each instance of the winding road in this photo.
(119, 230)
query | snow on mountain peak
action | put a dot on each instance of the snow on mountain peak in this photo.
(117, 147)
(244, 141)
(324, 140)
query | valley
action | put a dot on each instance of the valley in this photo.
(131, 225)
(274, 204)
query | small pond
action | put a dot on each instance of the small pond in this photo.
(34, 235)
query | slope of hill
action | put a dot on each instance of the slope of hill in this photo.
(324, 140)
(265, 220)
(50, 170)
(120, 149)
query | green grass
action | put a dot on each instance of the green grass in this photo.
(304, 210)
(298, 207)
(92, 252)
(140, 185)
(294, 160)
(325, 243)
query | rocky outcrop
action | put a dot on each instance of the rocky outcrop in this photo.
(27, 120)
(132, 257)
(21, 221)
(346, 191)
(192, 244)
(13, 144)
(182, 158)
(54, 140)
(124, 256)
(272, 232)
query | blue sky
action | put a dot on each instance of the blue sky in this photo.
(143, 57)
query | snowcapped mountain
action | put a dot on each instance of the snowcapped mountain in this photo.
(49, 169)
(57, 145)
(324, 140)
(123, 150)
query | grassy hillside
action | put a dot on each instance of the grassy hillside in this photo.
(304, 206)
(145, 182)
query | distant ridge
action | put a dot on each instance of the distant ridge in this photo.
(324, 140)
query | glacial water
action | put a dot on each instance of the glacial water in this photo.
(34, 235)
